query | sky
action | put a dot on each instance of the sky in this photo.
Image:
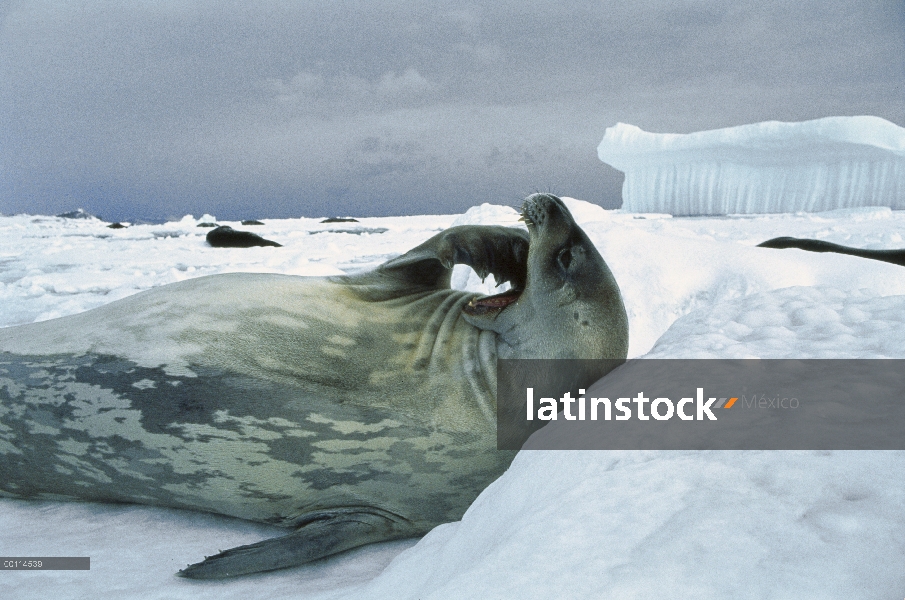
(273, 109)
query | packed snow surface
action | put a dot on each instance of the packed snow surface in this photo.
(835, 162)
(600, 524)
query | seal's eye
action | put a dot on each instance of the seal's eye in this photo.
(565, 258)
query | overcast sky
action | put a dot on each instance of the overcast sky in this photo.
(156, 109)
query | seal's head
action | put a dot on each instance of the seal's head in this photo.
(569, 294)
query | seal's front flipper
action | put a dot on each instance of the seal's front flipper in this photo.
(323, 536)
(488, 249)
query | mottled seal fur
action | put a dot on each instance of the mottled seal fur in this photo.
(225, 236)
(896, 257)
(351, 409)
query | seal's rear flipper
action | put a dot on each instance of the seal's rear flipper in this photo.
(321, 537)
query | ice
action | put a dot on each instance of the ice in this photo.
(488, 214)
(795, 322)
(51, 267)
(557, 524)
(689, 525)
(770, 167)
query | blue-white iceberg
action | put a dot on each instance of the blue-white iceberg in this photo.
(825, 164)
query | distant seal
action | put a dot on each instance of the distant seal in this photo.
(353, 409)
(225, 236)
(896, 257)
(77, 214)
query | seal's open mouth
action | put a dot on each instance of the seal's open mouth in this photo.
(487, 304)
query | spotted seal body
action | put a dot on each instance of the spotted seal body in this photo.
(351, 409)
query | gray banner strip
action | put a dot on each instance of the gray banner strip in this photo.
(45, 563)
(716, 404)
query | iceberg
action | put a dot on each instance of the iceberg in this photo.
(770, 167)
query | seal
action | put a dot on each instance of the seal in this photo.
(352, 410)
(225, 236)
(896, 257)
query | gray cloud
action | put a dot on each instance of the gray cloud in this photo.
(275, 109)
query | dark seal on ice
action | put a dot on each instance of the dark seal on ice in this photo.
(225, 236)
(77, 214)
(351, 410)
(896, 257)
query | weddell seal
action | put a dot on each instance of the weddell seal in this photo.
(353, 409)
(896, 257)
(225, 236)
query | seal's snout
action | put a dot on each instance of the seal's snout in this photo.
(539, 210)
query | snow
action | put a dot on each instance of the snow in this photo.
(668, 525)
(834, 162)
(626, 524)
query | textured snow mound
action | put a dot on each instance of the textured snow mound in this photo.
(825, 164)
